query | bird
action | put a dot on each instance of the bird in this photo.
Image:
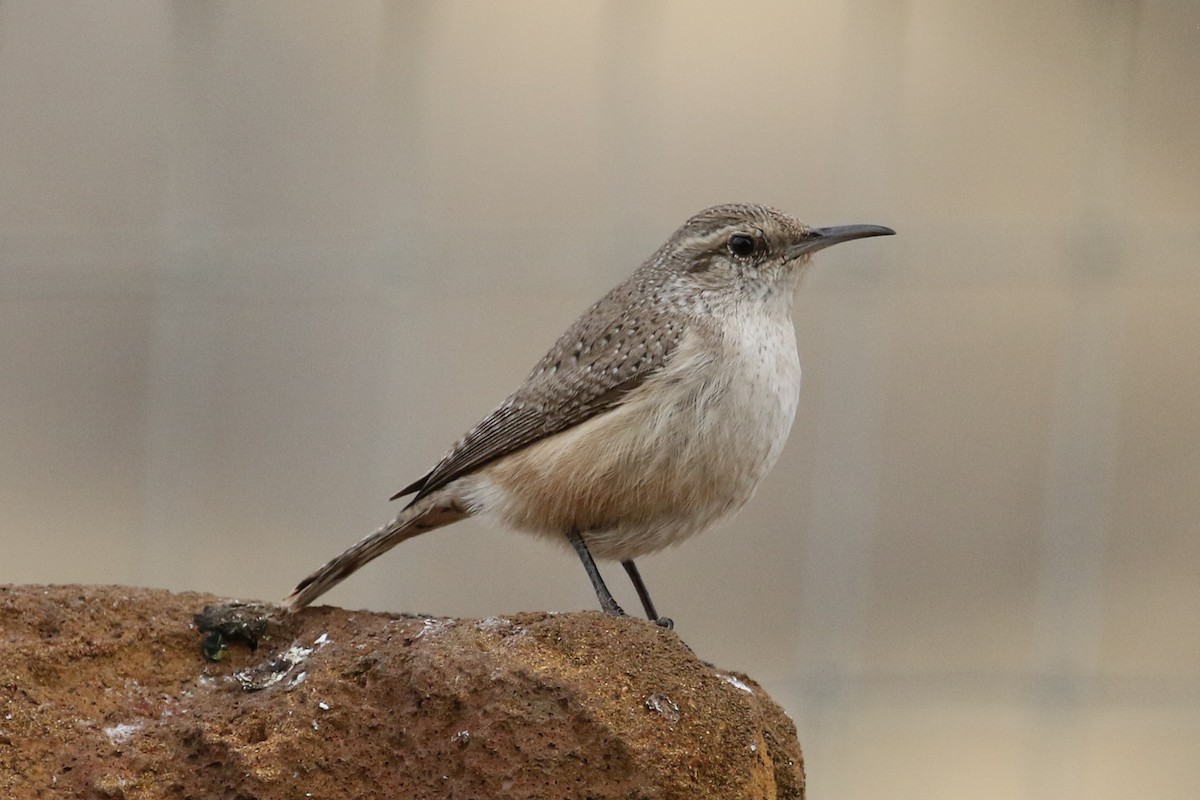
(655, 414)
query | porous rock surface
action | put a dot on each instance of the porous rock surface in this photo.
(104, 694)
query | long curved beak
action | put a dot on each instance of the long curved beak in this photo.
(820, 238)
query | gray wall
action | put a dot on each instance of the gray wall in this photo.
(260, 263)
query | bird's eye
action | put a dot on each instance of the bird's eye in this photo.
(741, 244)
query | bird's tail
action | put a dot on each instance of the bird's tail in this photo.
(411, 521)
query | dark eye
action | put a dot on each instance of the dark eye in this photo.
(741, 245)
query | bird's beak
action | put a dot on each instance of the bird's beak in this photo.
(820, 238)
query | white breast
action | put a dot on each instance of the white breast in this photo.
(687, 447)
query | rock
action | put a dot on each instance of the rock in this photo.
(104, 694)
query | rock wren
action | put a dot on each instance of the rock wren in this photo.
(658, 412)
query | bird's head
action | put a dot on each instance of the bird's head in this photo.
(750, 250)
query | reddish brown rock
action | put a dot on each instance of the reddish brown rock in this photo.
(104, 694)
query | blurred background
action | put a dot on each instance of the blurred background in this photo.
(260, 264)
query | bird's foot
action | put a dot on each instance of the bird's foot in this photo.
(610, 607)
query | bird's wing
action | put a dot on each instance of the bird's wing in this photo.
(588, 371)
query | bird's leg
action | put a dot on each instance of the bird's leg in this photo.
(607, 604)
(647, 603)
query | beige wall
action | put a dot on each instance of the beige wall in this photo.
(261, 263)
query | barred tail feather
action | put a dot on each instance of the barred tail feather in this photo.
(409, 523)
